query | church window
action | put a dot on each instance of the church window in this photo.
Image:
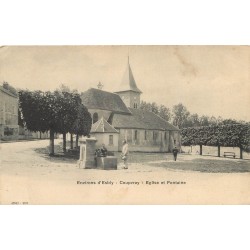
(165, 135)
(95, 117)
(135, 135)
(145, 135)
(111, 141)
(155, 135)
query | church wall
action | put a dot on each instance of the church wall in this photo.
(101, 113)
(153, 141)
(175, 140)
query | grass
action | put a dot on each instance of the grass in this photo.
(212, 165)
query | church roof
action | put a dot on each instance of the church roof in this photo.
(102, 126)
(141, 119)
(99, 99)
(128, 81)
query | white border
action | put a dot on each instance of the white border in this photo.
(124, 22)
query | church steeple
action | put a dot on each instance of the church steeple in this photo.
(128, 90)
(128, 81)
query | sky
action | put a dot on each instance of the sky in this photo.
(208, 80)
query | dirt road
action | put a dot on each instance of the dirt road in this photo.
(29, 176)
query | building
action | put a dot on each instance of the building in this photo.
(105, 134)
(143, 130)
(9, 128)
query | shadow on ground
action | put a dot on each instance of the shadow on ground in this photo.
(59, 155)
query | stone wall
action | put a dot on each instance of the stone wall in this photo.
(8, 109)
(9, 132)
(27, 134)
(9, 128)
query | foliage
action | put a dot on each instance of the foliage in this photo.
(232, 135)
(82, 124)
(164, 113)
(67, 106)
(60, 111)
(38, 110)
(161, 110)
(180, 115)
(182, 118)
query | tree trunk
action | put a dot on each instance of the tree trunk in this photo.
(200, 149)
(241, 153)
(71, 141)
(51, 137)
(77, 140)
(64, 142)
(218, 150)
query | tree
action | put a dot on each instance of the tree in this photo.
(204, 120)
(212, 121)
(164, 113)
(229, 121)
(192, 121)
(38, 111)
(67, 110)
(55, 112)
(233, 135)
(161, 110)
(82, 124)
(180, 115)
(154, 108)
(219, 120)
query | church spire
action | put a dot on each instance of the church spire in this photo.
(128, 82)
(128, 90)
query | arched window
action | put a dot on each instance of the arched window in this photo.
(95, 117)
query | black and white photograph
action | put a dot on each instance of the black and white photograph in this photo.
(125, 124)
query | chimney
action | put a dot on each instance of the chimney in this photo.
(6, 85)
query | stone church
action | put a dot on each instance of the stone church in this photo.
(117, 116)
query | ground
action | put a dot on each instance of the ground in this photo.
(30, 176)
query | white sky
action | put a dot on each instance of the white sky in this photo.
(209, 80)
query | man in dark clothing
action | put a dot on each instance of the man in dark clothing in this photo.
(104, 151)
(175, 151)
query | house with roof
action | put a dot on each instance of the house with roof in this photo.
(105, 134)
(118, 115)
(9, 128)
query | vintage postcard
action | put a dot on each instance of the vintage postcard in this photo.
(125, 125)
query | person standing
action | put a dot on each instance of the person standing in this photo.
(124, 154)
(175, 152)
(104, 150)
